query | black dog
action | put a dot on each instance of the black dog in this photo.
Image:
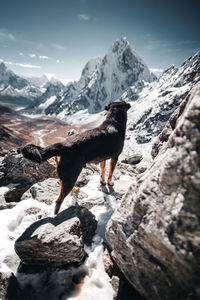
(94, 145)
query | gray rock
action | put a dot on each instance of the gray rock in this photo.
(133, 159)
(4, 279)
(155, 233)
(24, 173)
(59, 240)
(46, 191)
(72, 132)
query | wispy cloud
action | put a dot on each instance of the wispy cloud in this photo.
(84, 17)
(21, 54)
(5, 35)
(32, 55)
(156, 70)
(59, 61)
(24, 65)
(58, 46)
(27, 66)
(43, 57)
(6, 62)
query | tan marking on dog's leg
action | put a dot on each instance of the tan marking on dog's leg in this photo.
(113, 162)
(58, 158)
(76, 189)
(103, 171)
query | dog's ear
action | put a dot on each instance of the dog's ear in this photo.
(128, 106)
(107, 107)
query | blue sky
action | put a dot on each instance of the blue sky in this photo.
(59, 36)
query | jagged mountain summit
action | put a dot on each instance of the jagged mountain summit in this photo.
(102, 81)
(16, 90)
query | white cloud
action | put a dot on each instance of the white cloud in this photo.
(5, 35)
(24, 65)
(155, 70)
(32, 55)
(21, 54)
(43, 57)
(83, 17)
(59, 61)
(58, 46)
(158, 72)
(28, 66)
(6, 62)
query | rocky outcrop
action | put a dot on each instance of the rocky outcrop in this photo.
(155, 233)
(22, 173)
(163, 137)
(156, 103)
(59, 240)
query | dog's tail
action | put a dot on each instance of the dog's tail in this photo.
(39, 154)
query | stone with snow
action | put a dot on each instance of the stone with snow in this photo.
(154, 233)
(57, 241)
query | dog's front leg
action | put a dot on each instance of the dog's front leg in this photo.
(103, 171)
(113, 162)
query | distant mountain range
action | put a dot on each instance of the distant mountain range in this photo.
(102, 80)
(120, 74)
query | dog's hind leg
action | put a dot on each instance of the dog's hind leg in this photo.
(113, 162)
(103, 170)
(68, 172)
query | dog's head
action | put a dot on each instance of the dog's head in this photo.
(118, 105)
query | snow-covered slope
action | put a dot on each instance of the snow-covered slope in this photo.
(157, 101)
(102, 81)
(14, 89)
(38, 81)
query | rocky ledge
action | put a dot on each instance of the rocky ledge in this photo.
(57, 241)
(155, 233)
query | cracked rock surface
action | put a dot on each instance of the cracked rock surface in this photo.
(155, 233)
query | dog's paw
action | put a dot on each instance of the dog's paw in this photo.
(102, 182)
(76, 189)
(57, 208)
(110, 183)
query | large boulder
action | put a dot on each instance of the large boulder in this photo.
(155, 233)
(57, 241)
(22, 173)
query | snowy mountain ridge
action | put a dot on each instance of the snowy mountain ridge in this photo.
(102, 81)
(157, 101)
(14, 89)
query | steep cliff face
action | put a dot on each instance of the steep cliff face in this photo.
(155, 233)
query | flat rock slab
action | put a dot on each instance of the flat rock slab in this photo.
(59, 240)
(46, 191)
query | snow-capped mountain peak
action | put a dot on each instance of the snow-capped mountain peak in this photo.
(104, 80)
(14, 89)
